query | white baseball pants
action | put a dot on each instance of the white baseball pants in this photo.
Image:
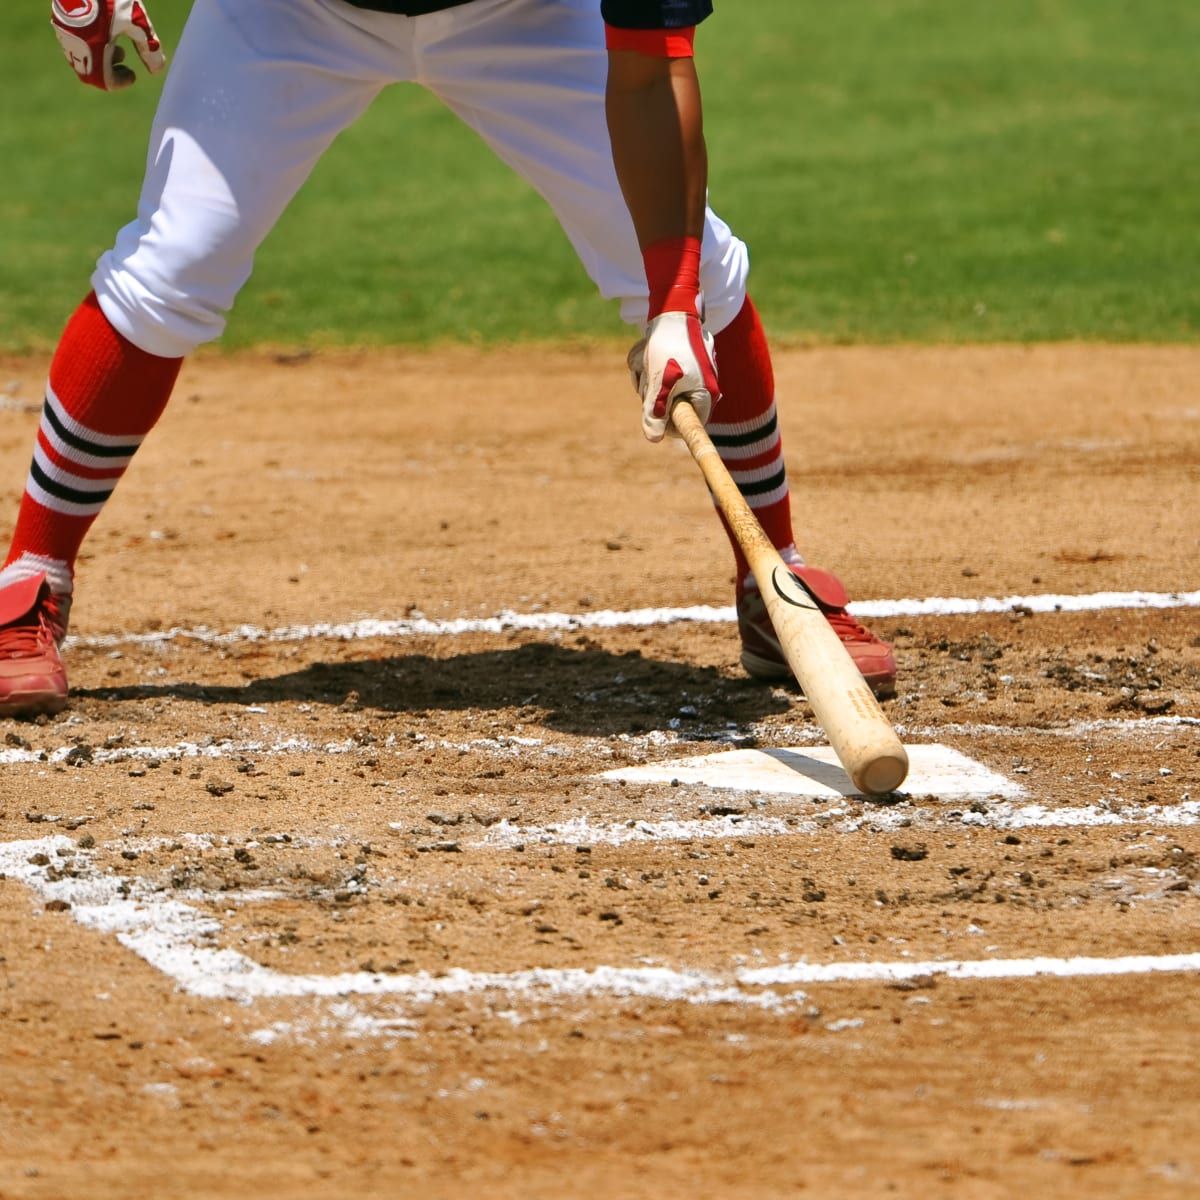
(259, 88)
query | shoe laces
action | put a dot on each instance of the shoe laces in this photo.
(847, 628)
(36, 633)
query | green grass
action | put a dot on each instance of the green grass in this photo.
(902, 169)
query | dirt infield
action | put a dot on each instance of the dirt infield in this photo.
(302, 904)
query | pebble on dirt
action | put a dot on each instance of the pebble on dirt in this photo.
(913, 853)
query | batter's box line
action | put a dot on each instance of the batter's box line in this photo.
(220, 748)
(171, 937)
(217, 748)
(508, 621)
(175, 938)
(1004, 816)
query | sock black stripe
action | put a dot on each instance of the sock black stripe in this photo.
(82, 444)
(61, 492)
(762, 486)
(731, 441)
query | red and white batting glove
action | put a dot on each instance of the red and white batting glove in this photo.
(675, 359)
(88, 30)
(673, 362)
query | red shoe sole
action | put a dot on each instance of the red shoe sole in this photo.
(32, 704)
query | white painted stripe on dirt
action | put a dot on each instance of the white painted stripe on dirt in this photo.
(512, 746)
(507, 622)
(580, 831)
(224, 974)
(1037, 816)
(998, 968)
(951, 606)
(814, 771)
(811, 735)
(175, 938)
(226, 748)
(233, 748)
(1136, 726)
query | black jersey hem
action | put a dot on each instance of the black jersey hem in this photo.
(655, 14)
(623, 14)
(407, 8)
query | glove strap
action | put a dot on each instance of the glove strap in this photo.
(673, 273)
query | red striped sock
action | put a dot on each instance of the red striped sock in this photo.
(104, 395)
(745, 431)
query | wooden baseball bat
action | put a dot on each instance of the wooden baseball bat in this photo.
(849, 714)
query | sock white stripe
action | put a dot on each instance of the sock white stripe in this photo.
(29, 566)
(77, 456)
(73, 426)
(757, 474)
(78, 483)
(738, 428)
(66, 507)
(768, 498)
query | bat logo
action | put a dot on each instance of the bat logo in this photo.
(790, 589)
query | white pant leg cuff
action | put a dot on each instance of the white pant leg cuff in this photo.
(141, 318)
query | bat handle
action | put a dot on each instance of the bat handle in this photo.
(687, 422)
(755, 544)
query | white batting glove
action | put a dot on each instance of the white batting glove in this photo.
(674, 361)
(88, 30)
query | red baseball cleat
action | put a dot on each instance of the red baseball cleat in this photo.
(763, 657)
(32, 622)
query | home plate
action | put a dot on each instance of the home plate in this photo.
(935, 771)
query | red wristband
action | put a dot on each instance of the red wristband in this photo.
(660, 43)
(673, 273)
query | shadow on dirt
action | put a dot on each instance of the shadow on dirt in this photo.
(585, 691)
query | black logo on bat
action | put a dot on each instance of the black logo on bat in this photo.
(793, 591)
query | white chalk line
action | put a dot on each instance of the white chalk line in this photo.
(1118, 726)
(218, 748)
(581, 831)
(510, 746)
(996, 968)
(510, 622)
(953, 606)
(179, 751)
(176, 939)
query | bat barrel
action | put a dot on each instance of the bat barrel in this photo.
(860, 734)
(883, 773)
(858, 731)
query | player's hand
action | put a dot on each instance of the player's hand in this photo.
(674, 361)
(88, 30)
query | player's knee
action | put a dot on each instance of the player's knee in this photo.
(159, 313)
(724, 269)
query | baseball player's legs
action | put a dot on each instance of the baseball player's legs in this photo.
(255, 94)
(530, 79)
